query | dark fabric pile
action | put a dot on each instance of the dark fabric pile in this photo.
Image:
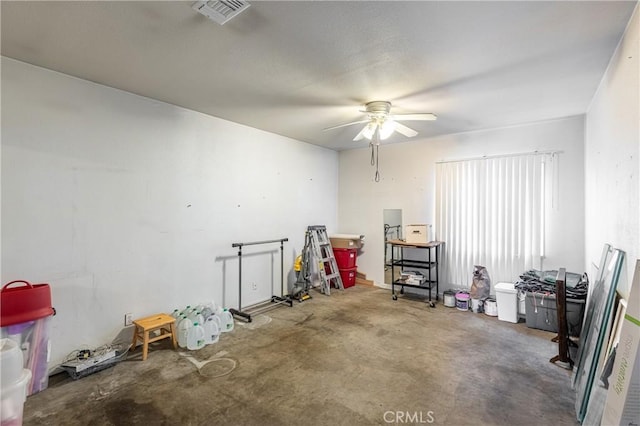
(545, 282)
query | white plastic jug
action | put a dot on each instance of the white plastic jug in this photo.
(195, 337)
(186, 311)
(178, 319)
(196, 317)
(206, 312)
(211, 330)
(226, 318)
(208, 309)
(217, 320)
(183, 331)
(176, 314)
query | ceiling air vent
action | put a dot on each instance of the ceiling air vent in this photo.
(222, 10)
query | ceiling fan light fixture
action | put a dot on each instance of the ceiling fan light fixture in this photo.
(387, 128)
(369, 130)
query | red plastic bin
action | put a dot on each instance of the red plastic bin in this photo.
(345, 258)
(348, 277)
(25, 317)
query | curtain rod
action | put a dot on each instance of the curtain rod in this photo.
(487, 157)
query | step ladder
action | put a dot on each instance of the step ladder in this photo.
(327, 265)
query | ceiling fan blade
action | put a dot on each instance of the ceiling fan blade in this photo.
(427, 116)
(360, 135)
(402, 129)
(345, 125)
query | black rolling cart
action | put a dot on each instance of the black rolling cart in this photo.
(427, 266)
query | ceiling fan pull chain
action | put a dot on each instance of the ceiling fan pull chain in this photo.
(373, 162)
(377, 177)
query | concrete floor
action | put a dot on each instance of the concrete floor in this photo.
(353, 358)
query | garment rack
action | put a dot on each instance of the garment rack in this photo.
(268, 304)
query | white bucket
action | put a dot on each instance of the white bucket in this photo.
(13, 397)
(462, 300)
(476, 306)
(14, 382)
(449, 299)
(491, 307)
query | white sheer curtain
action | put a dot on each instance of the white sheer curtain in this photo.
(490, 212)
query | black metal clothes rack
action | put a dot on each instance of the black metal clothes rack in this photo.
(430, 265)
(275, 301)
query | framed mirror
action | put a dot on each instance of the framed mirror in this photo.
(392, 219)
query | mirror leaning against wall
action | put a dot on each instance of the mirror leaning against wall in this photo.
(392, 219)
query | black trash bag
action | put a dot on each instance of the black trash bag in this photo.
(481, 285)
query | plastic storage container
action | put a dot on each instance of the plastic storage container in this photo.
(25, 318)
(507, 299)
(348, 277)
(542, 313)
(14, 382)
(345, 258)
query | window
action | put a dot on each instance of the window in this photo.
(491, 212)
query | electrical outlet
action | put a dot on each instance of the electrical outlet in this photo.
(254, 286)
(128, 319)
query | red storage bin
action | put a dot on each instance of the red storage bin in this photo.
(348, 277)
(345, 258)
(25, 318)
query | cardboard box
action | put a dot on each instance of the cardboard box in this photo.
(417, 234)
(346, 241)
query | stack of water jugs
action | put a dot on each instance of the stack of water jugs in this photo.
(201, 325)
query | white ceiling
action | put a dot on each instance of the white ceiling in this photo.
(294, 68)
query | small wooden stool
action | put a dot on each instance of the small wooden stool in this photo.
(164, 323)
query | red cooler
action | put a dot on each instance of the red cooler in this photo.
(25, 316)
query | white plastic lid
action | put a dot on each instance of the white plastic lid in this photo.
(506, 287)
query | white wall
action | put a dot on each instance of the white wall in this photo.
(408, 183)
(126, 204)
(612, 157)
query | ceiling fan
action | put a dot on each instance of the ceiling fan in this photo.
(380, 123)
